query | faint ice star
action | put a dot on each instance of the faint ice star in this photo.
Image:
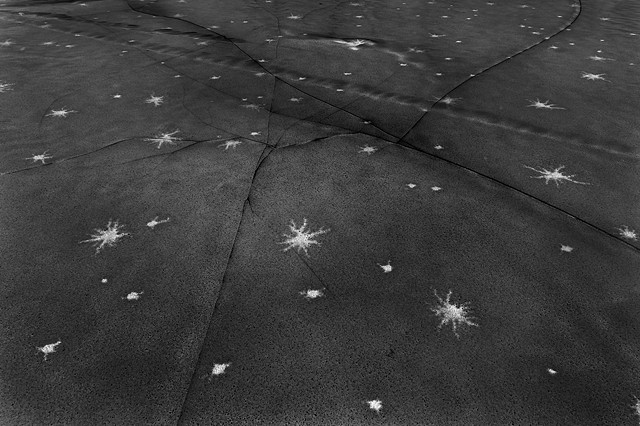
(164, 138)
(566, 249)
(375, 405)
(556, 176)
(230, 144)
(627, 233)
(552, 371)
(155, 222)
(106, 237)
(368, 149)
(301, 238)
(5, 87)
(292, 16)
(386, 268)
(48, 349)
(312, 294)
(600, 58)
(593, 77)
(155, 100)
(436, 188)
(452, 313)
(59, 112)
(6, 43)
(218, 369)
(542, 105)
(133, 295)
(448, 100)
(636, 406)
(39, 157)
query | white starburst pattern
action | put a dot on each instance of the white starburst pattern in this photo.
(155, 100)
(448, 100)
(5, 87)
(453, 314)
(368, 149)
(593, 77)
(164, 138)
(230, 144)
(48, 349)
(301, 238)
(375, 405)
(155, 222)
(554, 175)
(106, 237)
(312, 294)
(59, 112)
(386, 268)
(629, 234)
(537, 104)
(40, 157)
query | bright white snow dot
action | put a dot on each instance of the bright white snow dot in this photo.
(106, 237)
(48, 349)
(438, 147)
(567, 249)
(453, 314)
(368, 149)
(133, 295)
(436, 188)
(386, 268)
(636, 407)
(255, 133)
(312, 294)
(218, 369)
(59, 112)
(301, 238)
(552, 371)
(411, 185)
(153, 223)
(104, 281)
(627, 233)
(375, 405)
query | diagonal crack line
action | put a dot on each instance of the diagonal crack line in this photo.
(490, 67)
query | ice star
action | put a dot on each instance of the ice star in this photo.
(251, 106)
(436, 188)
(593, 77)
(59, 112)
(215, 77)
(294, 17)
(5, 87)
(566, 249)
(155, 100)
(386, 268)
(375, 405)
(6, 43)
(218, 369)
(48, 349)
(411, 185)
(542, 105)
(301, 238)
(230, 144)
(449, 100)
(452, 313)
(600, 58)
(627, 233)
(438, 147)
(164, 138)
(153, 223)
(106, 237)
(368, 149)
(133, 295)
(39, 157)
(436, 35)
(552, 371)
(556, 176)
(255, 133)
(295, 99)
(312, 294)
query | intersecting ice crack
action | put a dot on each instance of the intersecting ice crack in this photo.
(556, 176)
(453, 314)
(106, 237)
(164, 138)
(301, 238)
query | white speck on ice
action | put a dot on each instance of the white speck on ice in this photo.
(133, 295)
(230, 144)
(556, 176)
(375, 405)
(104, 281)
(301, 238)
(386, 268)
(5, 87)
(164, 138)
(452, 313)
(627, 233)
(411, 185)
(218, 369)
(59, 112)
(537, 104)
(566, 249)
(153, 223)
(155, 100)
(552, 371)
(436, 188)
(39, 157)
(48, 349)
(106, 237)
(368, 149)
(312, 294)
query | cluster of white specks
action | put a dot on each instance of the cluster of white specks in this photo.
(386, 268)
(312, 294)
(453, 314)
(301, 238)
(367, 149)
(5, 87)
(552, 371)
(218, 370)
(155, 222)
(436, 188)
(133, 295)
(375, 405)
(565, 249)
(63, 112)
(155, 100)
(104, 281)
(232, 143)
(164, 138)
(555, 176)
(48, 349)
(629, 234)
(106, 237)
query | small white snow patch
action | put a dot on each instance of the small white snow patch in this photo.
(133, 295)
(566, 249)
(312, 294)
(375, 405)
(48, 349)
(218, 369)
(386, 268)
(552, 371)
(155, 222)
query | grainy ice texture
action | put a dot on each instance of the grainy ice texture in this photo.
(325, 213)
